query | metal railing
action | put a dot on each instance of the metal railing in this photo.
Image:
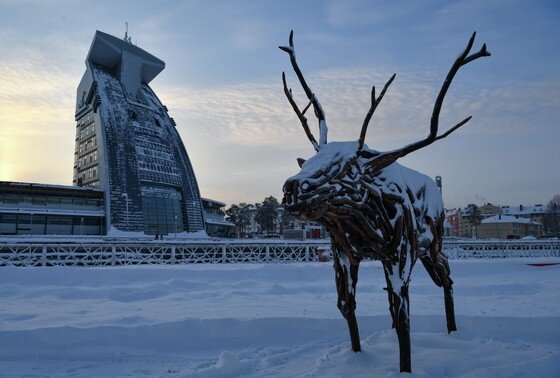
(472, 249)
(122, 252)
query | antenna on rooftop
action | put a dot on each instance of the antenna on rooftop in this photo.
(126, 37)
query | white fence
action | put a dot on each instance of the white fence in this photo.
(103, 253)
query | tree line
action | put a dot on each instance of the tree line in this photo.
(265, 214)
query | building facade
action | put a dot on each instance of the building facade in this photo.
(40, 209)
(214, 218)
(128, 147)
(508, 227)
(466, 222)
(533, 212)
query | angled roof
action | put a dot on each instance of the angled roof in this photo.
(508, 219)
(106, 50)
(524, 209)
(38, 186)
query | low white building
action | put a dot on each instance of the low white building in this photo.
(508, 227)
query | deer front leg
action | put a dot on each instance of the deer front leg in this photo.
(346, 276)
(440, 273)
(397, 291)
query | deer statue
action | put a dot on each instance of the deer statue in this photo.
(374, 208)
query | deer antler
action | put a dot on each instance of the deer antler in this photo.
(318, 110)
(463, 59)
(374, 103)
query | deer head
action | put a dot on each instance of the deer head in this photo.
(334, 171)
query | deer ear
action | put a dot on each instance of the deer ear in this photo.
(300, 162)
(366, 154)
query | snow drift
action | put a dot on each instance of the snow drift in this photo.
(272, 320)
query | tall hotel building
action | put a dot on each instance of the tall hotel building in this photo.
(128, 146)
(132, 174)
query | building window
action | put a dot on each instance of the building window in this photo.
(162, 215)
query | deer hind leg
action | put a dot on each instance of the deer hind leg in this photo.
(399, 308)
(346, 276)
(440, 273)
(447, 282)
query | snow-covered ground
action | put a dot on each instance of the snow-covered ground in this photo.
(273, 320)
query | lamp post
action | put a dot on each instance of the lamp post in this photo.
(125, 195)
(175, 226)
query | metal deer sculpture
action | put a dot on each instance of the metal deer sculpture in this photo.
(374, 208)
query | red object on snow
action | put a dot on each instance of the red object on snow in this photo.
(543, 264)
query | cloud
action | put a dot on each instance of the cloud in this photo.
(36, 113)
(239, 134)
(248, 35)
(34, 95)
(367, 12)
(259, 114)
(246, 137)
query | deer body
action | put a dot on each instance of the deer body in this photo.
(374, 208)
(394, 215)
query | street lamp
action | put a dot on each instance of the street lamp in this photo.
(125, 195)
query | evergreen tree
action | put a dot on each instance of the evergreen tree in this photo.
(266, 215)
(239, 216)
(475, 217)
(288, 220)
(551, 219)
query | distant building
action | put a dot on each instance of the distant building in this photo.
(300, 229)
(463, 219)
(534, 212)
(447, 228)
(508, 227)
(295, 229)
(127, 145)
(304, 230)
(214, 217)
(252, 228)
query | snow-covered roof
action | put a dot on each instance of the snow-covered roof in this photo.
(508, 219)
(221, 204)
(524, 210)
(521, 210)
(32, 185)
(451, 212)
(219, 222)
(108, 51)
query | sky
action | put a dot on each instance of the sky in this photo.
(222, 85)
